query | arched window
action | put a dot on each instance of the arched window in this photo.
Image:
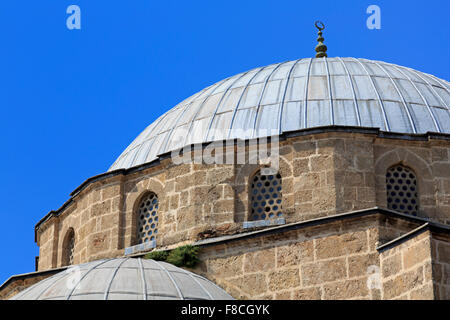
(147, 218)
(401, 187)
(68, 248)
(265, 197)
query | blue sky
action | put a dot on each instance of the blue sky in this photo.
(72, 100)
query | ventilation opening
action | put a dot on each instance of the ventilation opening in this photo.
(401, 187)
(266, 195)
(69, 248)
(148, 219)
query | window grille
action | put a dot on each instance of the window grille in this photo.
(148, 218)
(401, 187)
(266, 197)
(68, 248)
(71, 248)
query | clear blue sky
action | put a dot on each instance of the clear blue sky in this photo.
(71, 101)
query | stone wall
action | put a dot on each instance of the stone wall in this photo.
(46, 240)
(407, 270)
(338, 260)
(330, 261)
(440, 250)
(192, 199)
(430, 160)
(322, 175)
(94, 216)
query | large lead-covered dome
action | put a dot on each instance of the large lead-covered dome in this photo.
(297, 95)
(124, 279)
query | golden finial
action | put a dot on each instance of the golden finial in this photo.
(321, 49)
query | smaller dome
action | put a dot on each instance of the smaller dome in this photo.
(124, 279)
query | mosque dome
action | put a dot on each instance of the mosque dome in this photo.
(124, 279)
(297, 95)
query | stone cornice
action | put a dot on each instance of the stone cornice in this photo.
(422, 224)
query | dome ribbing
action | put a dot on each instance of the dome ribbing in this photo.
(295, 95)
(124, 279)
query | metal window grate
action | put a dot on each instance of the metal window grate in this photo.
(266, 197)
(401, 187)
(71, 248)
(148, 218)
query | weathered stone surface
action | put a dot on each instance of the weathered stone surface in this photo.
(284, 279)
(226, 267)
(323, 271)
(341, 245)
(108, 221)
(423, 293)
(446, 274)
(95, 196)
(441, 170)
(308, 181)
(359, 265)
(101, 208)
(228, 191)
(439, 154)
(188, 217)
(184, 197)
(285, 295)
(99, 242)
(222, 206)
(346, 289)
(403, 283)
(253, 284)
(307, 294)
(321, 163)
(301, 166)
(392, 265)
(353, 179)
(174, 202)
(444, 251)
(259, 261)
(183, 183)
(110, 192)
(305, 149)
(324, 199)
(295, 254)
(416, 254)
(220, 175)
(178, 170)
(207, 194)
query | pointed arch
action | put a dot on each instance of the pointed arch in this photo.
(68, 248)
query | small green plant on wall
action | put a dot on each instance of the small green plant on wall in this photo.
(157, 255)
(184, 256)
